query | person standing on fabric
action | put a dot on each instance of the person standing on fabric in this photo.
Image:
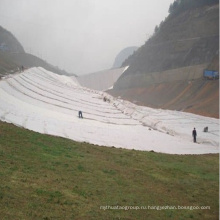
(194, 134)
(80, 114)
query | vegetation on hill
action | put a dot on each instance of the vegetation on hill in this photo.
(185, 43)
(45, 177)
(9, 43)
(190, 37)
(179, 6)
(13, 56)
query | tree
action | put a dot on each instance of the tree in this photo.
(182, 5)
(156, 29)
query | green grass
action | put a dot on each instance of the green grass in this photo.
(46, 177)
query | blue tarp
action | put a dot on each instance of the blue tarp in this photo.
(211, 74)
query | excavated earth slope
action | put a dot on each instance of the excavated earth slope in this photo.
(196, 96)
(182, 89)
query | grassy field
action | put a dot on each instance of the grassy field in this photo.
(46, 177)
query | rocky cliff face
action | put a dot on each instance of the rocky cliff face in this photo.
(168, 69)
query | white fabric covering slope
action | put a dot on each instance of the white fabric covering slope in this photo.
(48, 103)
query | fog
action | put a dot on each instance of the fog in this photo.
(81, 36)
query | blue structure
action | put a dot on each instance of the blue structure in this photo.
(211, 74)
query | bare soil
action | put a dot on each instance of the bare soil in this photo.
(197, 96)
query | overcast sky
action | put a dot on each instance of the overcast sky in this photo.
(81, 36)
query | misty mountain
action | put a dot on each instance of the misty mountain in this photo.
(167, 71)
(123, 55)
(13, 56)
(9, 43)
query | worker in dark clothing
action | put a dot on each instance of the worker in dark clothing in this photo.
(194, 134)
(80, 114)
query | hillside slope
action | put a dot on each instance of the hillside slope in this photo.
(29, 60)
(9, 43)
(185, 42)
(13, 56)
(48, 103)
